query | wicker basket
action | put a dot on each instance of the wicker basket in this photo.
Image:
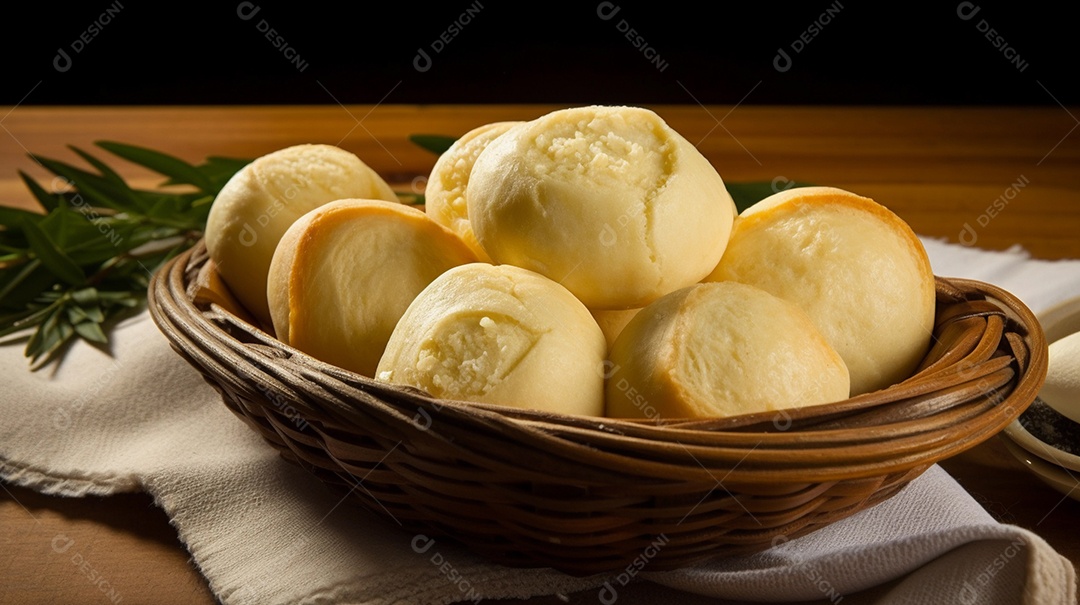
(594, 495)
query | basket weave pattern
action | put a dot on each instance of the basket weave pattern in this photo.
(591, 495)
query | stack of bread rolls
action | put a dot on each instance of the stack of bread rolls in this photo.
(589, 261)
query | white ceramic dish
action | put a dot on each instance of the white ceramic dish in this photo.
(1057, 477)
(1058, 469)
(1040, 449)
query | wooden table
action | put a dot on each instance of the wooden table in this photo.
(947, 171)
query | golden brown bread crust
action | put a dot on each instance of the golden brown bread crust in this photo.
(856, 268)
(721, 349)
(346, 271)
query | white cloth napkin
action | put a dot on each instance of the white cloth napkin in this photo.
(262, 531)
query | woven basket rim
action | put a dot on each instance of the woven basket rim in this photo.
(688, 433)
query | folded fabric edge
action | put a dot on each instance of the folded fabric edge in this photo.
(71, 486)
(1047, 569)
(1050, 575)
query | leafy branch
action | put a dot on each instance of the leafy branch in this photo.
(87, 258)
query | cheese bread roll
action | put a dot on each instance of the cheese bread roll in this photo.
(500, 334)
(856, 268)
(611, 202)
(345, 272)
(717, 350)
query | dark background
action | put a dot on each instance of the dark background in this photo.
(870, 53)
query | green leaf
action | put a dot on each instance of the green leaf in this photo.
(173, 167)
(166, 208)
(47, 334)
(101, 167)
(48, 201)
(220, 169)
(13, 322)
(114, 242)
(89, 238)
(95, 313)
(748, 194)
(65, 226)
(52, 340)
(88, 306)
(85, 296)
(54, 259)
(124, 299)
(224, 164)
(91, 331)
(435, 143)
(12, 218)
(411, 199)
(92, 188)
(76, 314)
